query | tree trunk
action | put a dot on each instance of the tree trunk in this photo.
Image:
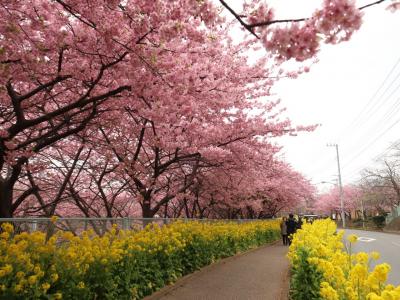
(6, 197)
(147, 212)
(166, 210)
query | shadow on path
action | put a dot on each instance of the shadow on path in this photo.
(258, 274)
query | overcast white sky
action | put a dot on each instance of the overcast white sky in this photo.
(346, 92)
(351, 95)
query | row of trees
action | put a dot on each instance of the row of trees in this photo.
(378, 191)
(117, 108)
(381, 184)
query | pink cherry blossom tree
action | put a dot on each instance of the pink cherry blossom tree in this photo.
(106, 105)
(64, 63)
(329, 203)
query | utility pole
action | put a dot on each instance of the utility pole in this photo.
(340, 184)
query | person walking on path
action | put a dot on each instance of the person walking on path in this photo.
(284, 231)
(299, 223)
(291, 226)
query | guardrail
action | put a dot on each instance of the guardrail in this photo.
(99, 225)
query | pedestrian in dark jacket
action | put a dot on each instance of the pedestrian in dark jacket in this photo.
(299, 223)
(291, 226)
(284, 231)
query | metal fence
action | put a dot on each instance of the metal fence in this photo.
(98, 225)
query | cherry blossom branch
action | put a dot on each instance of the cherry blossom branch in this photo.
(250, 27)
(239, 18)
(187, 184)
(139, 41)
(42, 87)
(10, 61)
(22, 197)
(371, 4)
(65, 181)
(76, 15)
(267, 23)
(140, 142)
(15, 100)
(36, 193)
(60, 60)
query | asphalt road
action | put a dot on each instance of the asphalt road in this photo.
(388, 245)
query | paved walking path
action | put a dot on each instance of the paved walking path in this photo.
(258, 274)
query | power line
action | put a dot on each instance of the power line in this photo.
(358, 119)
(371, 111)
(373, 141)
(381, 97)
(387, 116)
(376, 128)
(377, 157)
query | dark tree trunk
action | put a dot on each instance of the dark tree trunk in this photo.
(147, 212)
(6, 197)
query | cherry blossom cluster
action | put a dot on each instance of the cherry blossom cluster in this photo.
(300, 39)
(337, 20)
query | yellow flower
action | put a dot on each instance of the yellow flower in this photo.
(389, 287)
(8, 227)
(18, 288)
(32, 279)
(359, 272)
(381, 271)
(54, 277)
(362, 257)
(53, 219)
(45, 286)
(35, 258)
(7, 269)
(386, 295)
(344, 275)
(327, 292)
(352, 238)
(37, 269)
(375, 255)
(5, 235)
(373, 296)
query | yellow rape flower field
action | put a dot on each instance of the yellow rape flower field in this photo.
(332, 272)
(122, 264)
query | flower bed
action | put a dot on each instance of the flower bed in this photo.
(324, 268)
(121, 264)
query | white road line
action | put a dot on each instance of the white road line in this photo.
(396, 244)
(365, 239)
